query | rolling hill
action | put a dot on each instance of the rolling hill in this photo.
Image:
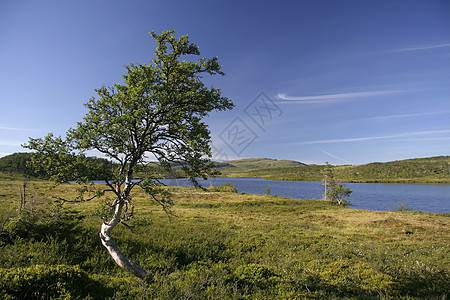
(417, 170)
(243, 166)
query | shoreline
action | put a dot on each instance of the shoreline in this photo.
(404, 181)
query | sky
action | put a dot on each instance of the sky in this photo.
(348, 82)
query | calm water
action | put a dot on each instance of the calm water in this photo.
(371, 196)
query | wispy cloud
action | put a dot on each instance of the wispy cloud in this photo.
(10, 143)
(406, 49)
(334, 156)
(440, 138)
(371, 138)
(335, 97)
(419, 48)
(17, 129)
(400, 116)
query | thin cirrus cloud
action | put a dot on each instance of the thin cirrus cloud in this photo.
(334, 97)
(401, 116)
(371, 138)
(9, 143)
(420, 48)
(17, 129)
(410, 49)
(334, 156)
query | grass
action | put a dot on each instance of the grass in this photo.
(222, 245)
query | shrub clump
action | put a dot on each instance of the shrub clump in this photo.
(227, 187)
(49, 282)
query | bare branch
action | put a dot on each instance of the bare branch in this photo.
(82, 200)
(127, 226)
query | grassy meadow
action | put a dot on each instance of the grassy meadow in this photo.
(219, 245)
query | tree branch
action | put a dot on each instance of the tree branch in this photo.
(79, 201)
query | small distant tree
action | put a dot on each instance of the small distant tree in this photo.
(328, 181)
(340, 194)
(402, 207)
(23, 197)
(267, 190)
(336, 193)
(156, 113)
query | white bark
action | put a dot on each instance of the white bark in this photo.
(120, 259)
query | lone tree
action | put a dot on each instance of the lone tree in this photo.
(336, 193)
(267, 190)
(340, 194)
(328, 180)
(156, 113)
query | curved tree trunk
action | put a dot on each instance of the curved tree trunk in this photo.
(107, 241)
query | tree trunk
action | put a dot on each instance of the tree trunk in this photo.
(23, 195)
(120, 259)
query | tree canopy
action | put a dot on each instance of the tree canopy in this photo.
(157, 113)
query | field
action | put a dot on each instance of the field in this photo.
(219, 245)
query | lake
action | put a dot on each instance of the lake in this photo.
(371, 196)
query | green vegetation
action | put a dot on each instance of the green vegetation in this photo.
(340, 194)
(227, 187)
(336, 193)
(158, 111)
(267, 190)
(17, 163)
(419, 170)
(20, 164)
(219, 245)
(238, 167)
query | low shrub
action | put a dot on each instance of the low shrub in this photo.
(227, 187)
(255, 275)
(50, 282)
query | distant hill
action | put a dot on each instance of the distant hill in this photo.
(418, 170)
(242, 166)
(17, 163)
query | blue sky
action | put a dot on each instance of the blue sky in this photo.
(349, 82)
